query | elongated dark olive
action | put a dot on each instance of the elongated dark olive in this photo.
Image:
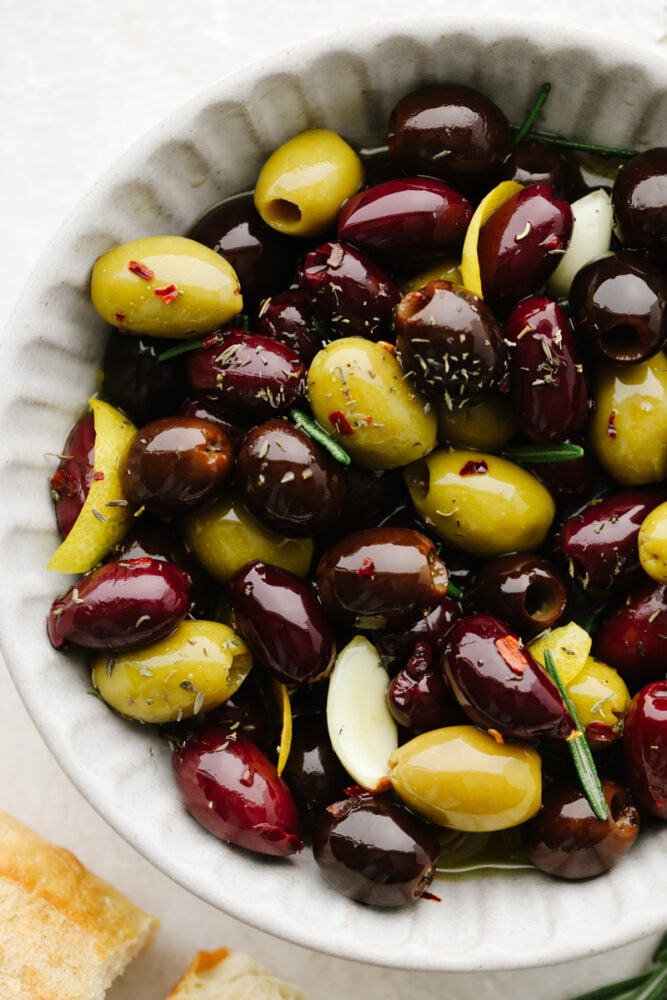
(313, 772)
(522, 589)
(431, 628)
(71, 480)
(136, 382)
(536, 163)
(206, 408)
(419, 697)
(289, 318)
(645, 748)
(632, 636)
(640, 200)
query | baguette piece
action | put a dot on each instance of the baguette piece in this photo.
(225, 975)
(65, 934)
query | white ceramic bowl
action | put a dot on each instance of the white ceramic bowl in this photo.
(49, 359)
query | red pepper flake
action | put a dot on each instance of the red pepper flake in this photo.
(340, 422)
(552, 243)
(211, 340)
(510, 649)
(168, 293)
(367, 568)
(121, 317)
(64, 483)
(498, 737)
(431, 895)
(611, 426)
(473, 468)
(141, 270)
(389, 348)
(98, 476)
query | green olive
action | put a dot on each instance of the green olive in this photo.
(441, 269)
(652, 542)
(224, 537)
(302, 185)
(481, 503)
(165, 286)
(600, 695)
(487, 424)
(359, 393)
(195, 669)
(628, 428)
(460, 777)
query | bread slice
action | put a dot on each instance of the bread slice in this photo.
(224, 975)
(65, 934)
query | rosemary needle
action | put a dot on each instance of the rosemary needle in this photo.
(532, 454)
(545, 90)
(317, 433)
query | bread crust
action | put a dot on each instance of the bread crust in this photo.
(225, 975)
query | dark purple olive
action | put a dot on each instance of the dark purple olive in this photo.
(381, 578)
(566, 839)
(632, 636)
(640, 201)
(289, 318)
(576, 479)
(234, 791)
(205, 408)
(498, 683)
(376, 851)
(449, 131)
(522, 589)
(547, 384)
(253, 708)
(136, 382)
(251, 377)
(313, 772)
(281, 619)
(371, 495)
(71, 481)
(288, 481)
(450, 342)
(598, 543)
(431, 628)
(176, 463)
(521, 243)
(419, 697)
(263, 258)
(536, 163)
(121, 605)
(404, 219)
(619, 307)
(645, 748)
(350, 293)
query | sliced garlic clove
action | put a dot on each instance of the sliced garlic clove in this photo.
(591, 237)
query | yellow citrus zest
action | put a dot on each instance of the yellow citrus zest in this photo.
(470, 273)
(285, 708)
(569, 645)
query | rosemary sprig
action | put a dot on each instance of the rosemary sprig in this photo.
(317, 433)
(589, 147)
(534, 454)
(453, 591)
(579, 748)
(545, 90)
(648, 986)
(185, 346)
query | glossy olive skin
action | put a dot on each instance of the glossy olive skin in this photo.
(498, 683)
(522, 589)
(645, 748)
(288, 481)
(520, 245)
(574, 480)
(450, 342)
(431, 629)
(351, 294)
(632, 636)
(251, 377)
(449, 117)
(381, 578)
(121, 605)
(289, 318)
(535, 163)
(371, 495)
(598, 544)
(313, 772)
(547, 384)
(419, 697)
(175, 464)
(407, 218)
(639, 197)
(137, 383)
(566, 839)
(601, 699)
(71, 480)
(619, 307)
(206, 408)
(375, 851)
(234, 791)
(281, 619)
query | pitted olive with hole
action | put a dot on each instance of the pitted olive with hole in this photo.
(165, 286)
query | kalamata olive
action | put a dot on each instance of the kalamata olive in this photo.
(405, 218)
(575, 479)
(449, 131)
(263, 259)
(419, 697)
(370, 496)
(431, 628)
(498, 683)
(289, 318)
(374, 850)
(522, 589)
(205, 408)
(632, 636)
(313, 773)
(520, 244)
(547, 384)
(640, 200)
(536, 163)
(450, 342)
(381, 578)
(350, 293)
(619, 307)
(598, 543)
(288, 481)
(645, 748)
(135, 381)
(71, 480)
(281, 619)
(234, 791)
(567, 839)
(253, 708)
(251, 377)
(176, 463)
(121, 605)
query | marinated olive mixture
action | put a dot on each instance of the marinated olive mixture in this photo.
(370, 515)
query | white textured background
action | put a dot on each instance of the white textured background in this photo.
(79, 82)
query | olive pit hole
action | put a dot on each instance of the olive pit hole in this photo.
(541, 602)
(284, 212)
(622, 343)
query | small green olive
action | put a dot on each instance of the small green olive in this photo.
(460, 777)
(195, 669)
(652, 542)
(359, 393)
(303, 184)
(224, 537)
(487, 424)
(480, 503)
(165, 286)
(628, 428)
(601, 699)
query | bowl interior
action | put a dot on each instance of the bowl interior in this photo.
(51, 353)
